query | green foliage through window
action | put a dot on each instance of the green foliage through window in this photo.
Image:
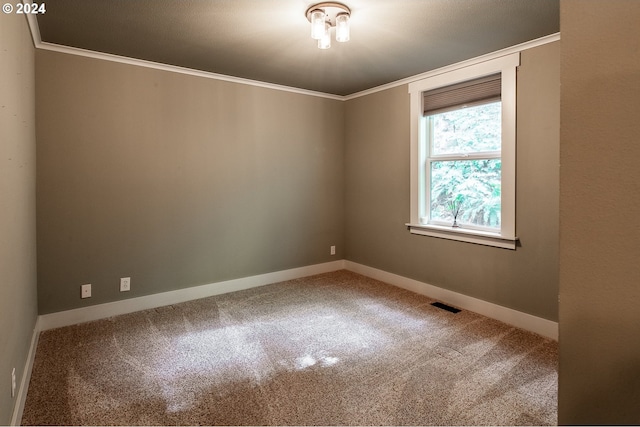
(474, 185)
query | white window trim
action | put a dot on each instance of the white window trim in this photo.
(506, 237)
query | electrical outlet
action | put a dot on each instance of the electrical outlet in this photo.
(333, 250)
(85, 291)
(125, 284)
(13, 383)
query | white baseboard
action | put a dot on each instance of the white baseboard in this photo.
(101, 311)
(538, 325)
(21, 397)
(522, 320)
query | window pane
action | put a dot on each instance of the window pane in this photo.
(474, 185)
(467, 130)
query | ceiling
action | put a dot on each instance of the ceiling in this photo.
(269, 40)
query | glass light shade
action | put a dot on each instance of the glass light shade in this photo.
(342, 27)
(325, 41)
(317, 24)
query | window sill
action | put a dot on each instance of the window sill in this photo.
(464, 235)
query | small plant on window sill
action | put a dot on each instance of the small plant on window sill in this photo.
(454, 207)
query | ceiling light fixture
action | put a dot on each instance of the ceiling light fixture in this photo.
(323, 17)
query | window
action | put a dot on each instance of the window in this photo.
(463, 153)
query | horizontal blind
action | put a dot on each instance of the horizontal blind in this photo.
(442, 98)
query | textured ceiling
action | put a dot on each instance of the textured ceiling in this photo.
(269, 41)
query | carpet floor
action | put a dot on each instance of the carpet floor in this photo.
(331, 349)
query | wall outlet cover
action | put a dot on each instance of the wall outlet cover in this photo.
(85, 291)
(13, 383)
(125, 284)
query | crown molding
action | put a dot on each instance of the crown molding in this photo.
(478, 59)
(39, 44)
(180, 70)
(34, 29)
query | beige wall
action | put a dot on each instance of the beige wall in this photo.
(177, 181)
(18, 306)
(377, 198)
(599, 379)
